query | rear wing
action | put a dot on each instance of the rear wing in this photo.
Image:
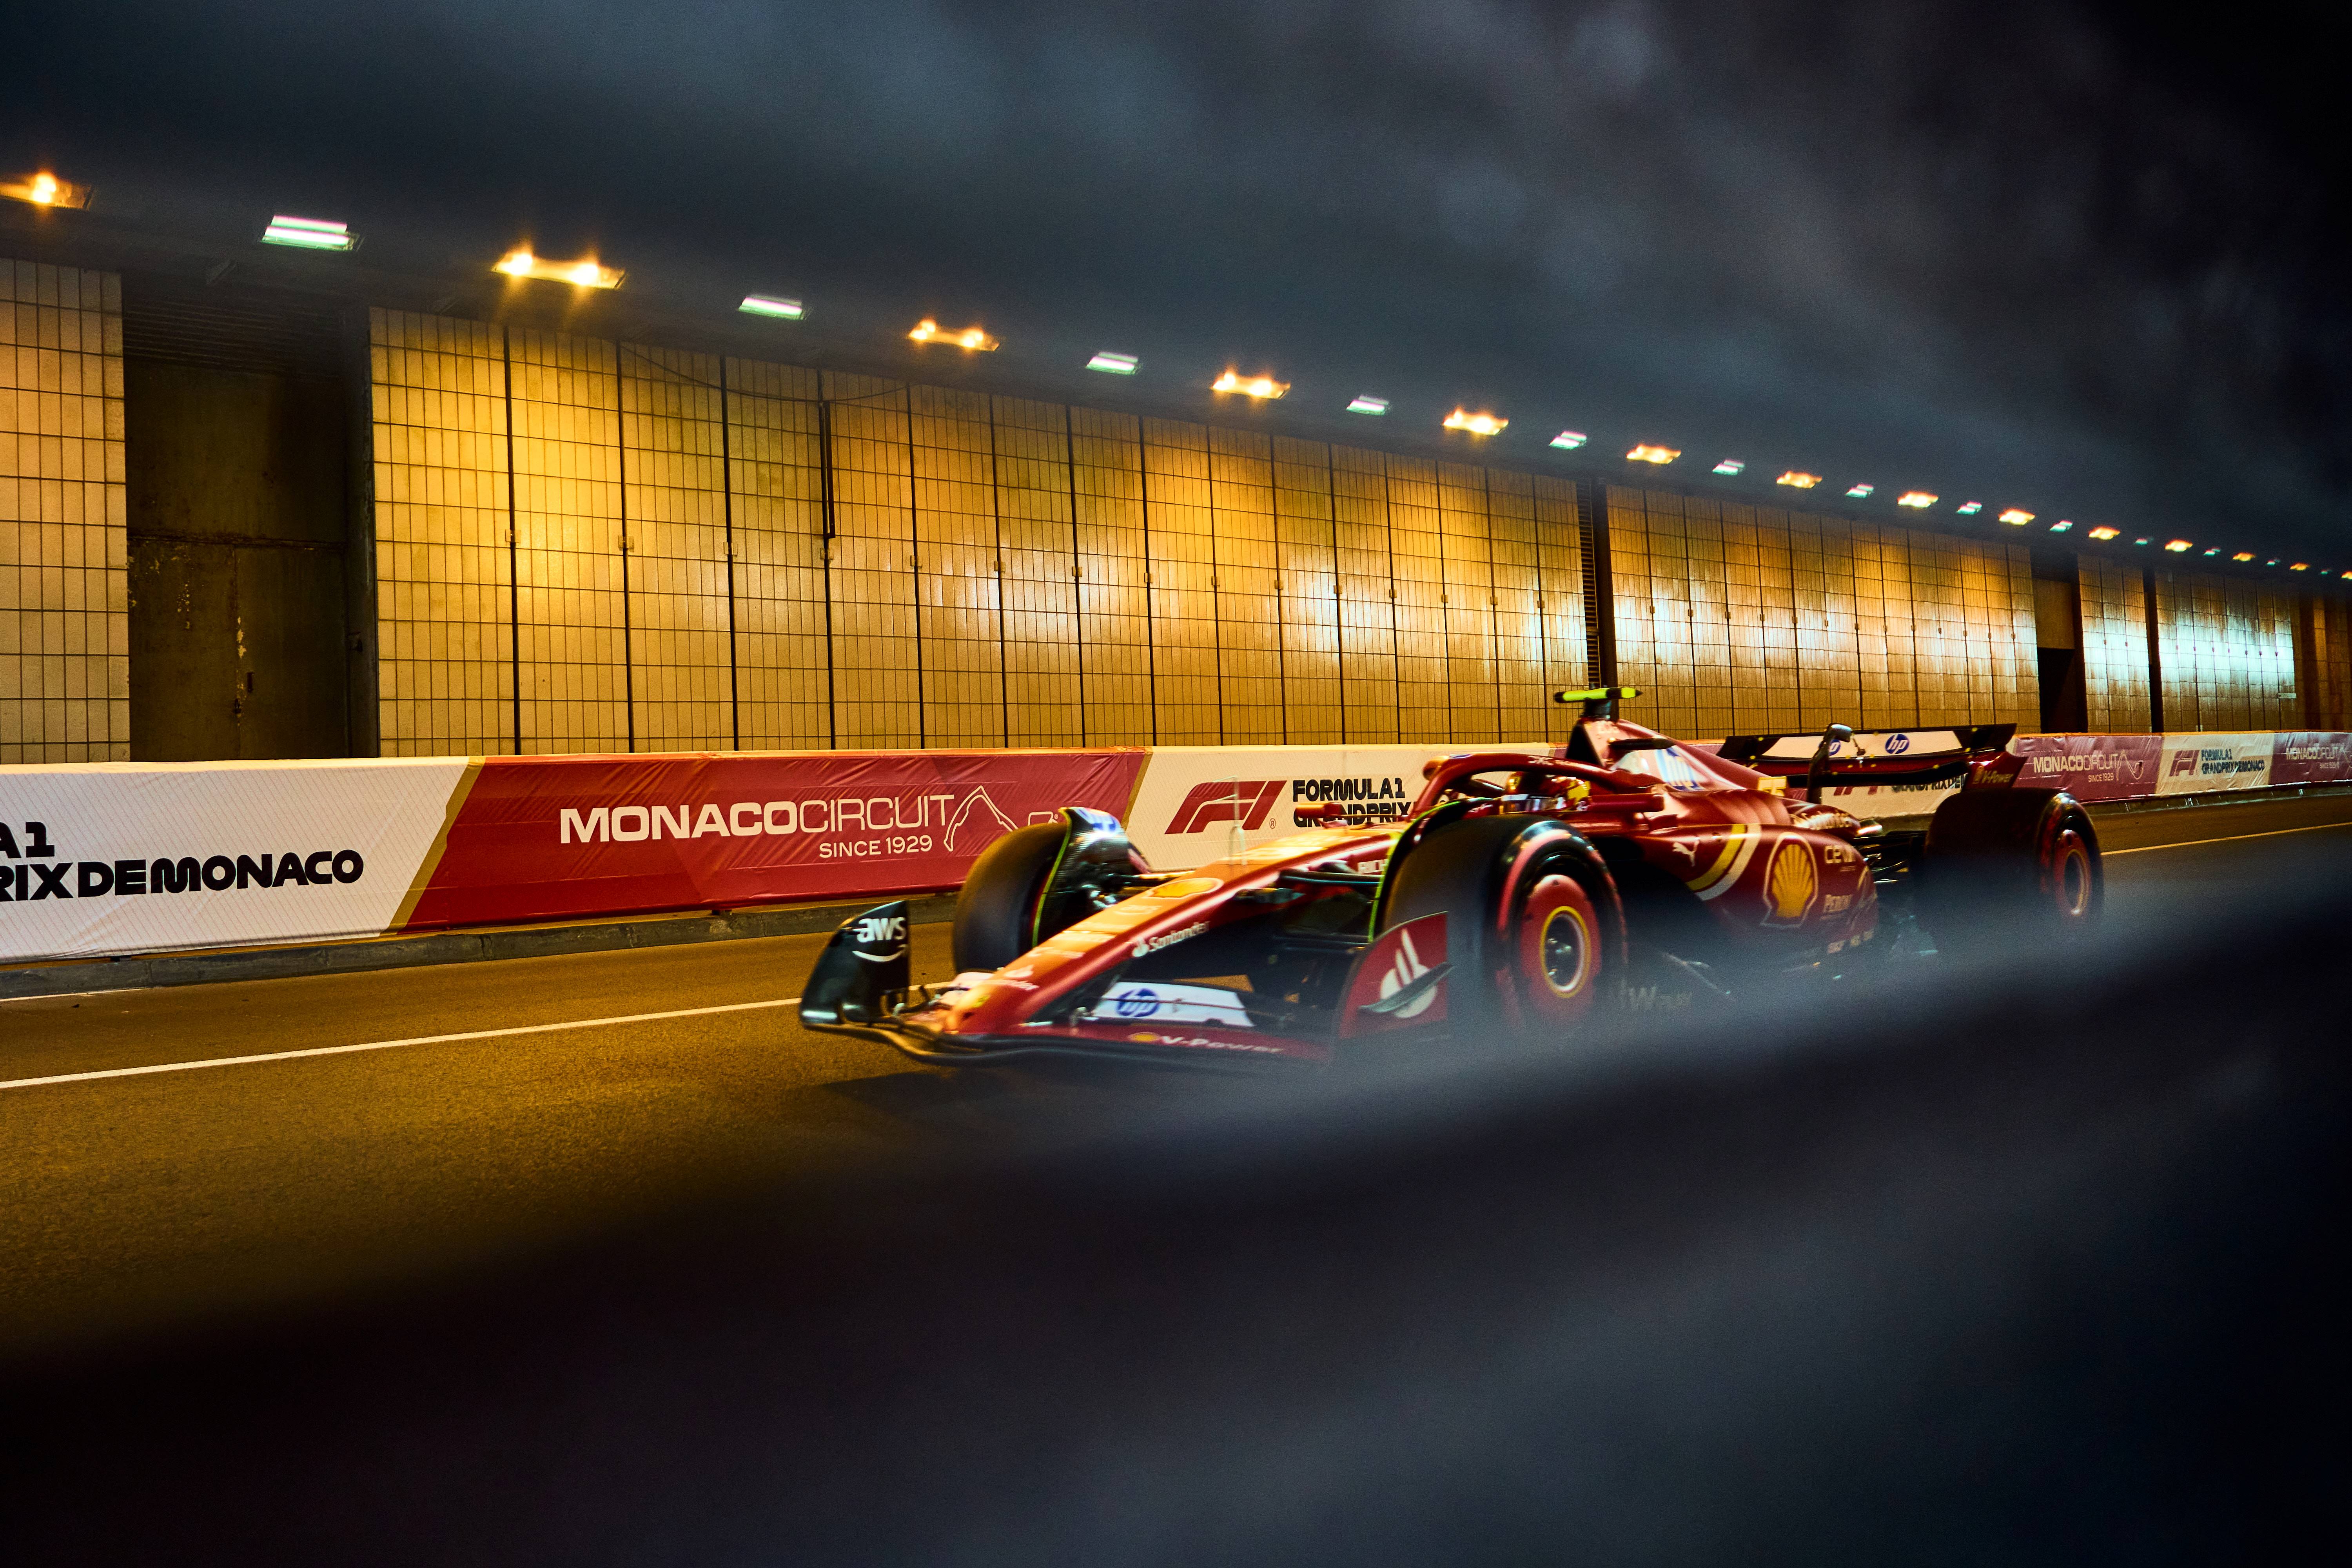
(1892, 757)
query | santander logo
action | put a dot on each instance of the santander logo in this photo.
(1407, 969)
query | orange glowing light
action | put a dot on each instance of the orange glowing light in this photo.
(1255, 386)
(585, 274)
(46, 189)
(2179, 546)
(2103, 531)
(1476, 424)
(1915, 498)
(2244, 555)
(2300, 566)
(1661, 455)
(2017, 516)
(1797, 480)
(927, 330)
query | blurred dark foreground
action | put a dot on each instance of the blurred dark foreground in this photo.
(2027, 1262)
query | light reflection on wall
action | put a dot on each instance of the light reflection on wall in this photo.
(1741, 619)
(2226, 653)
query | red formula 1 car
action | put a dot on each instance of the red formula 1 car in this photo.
(1526, 891)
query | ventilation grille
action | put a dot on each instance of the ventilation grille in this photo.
(223, 327)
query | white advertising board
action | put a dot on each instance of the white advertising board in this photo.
(2208, 765)
(1197, 804)
(121, 858)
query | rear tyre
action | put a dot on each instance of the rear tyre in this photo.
(1533, 932)
(2009, 865)
(996, 909)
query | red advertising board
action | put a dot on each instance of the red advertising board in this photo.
(2307, 757)
(2091, 767)
(561, 837)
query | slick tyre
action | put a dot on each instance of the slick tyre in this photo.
(1534, 936)
(2016, 865)
(996, 909)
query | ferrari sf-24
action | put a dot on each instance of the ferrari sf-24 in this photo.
(1527, 891)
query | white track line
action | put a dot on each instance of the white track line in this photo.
(392, 1045)
(2188, 843)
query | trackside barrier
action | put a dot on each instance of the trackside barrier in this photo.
(117, 858)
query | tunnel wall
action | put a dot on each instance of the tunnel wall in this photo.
(2226, 653)
(1743, 619)
(2115, 644)
(571, 543)
(236, 564)
(65, 648)
(686, 569)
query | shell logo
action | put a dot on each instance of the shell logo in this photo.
(1793, 881)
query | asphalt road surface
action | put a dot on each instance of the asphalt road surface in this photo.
(492, 1110)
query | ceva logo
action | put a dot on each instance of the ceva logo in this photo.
(1245, 801)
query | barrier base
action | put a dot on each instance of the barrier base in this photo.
(474, 946)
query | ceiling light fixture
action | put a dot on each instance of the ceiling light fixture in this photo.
(2102, 531)
(1970, 507)
(2017, 516)
(2179, 546)
(1659, 455)
(1730, 465)
(1858, 492)
(2300, 566)
(520, 263)
(1253, 386)
(772, 305)
(927, 330)
(1796, 481)
(46, 189)
(1569, 441)
(1367, 403)
(1920, 499)
(2061, 526)
(1480, 424)
(1110, 364)
(2244, 555)
(309, 234)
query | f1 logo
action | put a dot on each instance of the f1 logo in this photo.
(1247, 802)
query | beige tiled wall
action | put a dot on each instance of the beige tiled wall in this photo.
(445, 669)
(782, 678)
(2115, 644)
(993, 576)
(2226, 650)
(64, 639)
(680, 611)
(1004, 572)
(1741, 619)
(2327, 679)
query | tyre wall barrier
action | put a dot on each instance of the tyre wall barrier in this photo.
(108, 859)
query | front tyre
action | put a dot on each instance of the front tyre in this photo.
(996, 909)
(1533, 932)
